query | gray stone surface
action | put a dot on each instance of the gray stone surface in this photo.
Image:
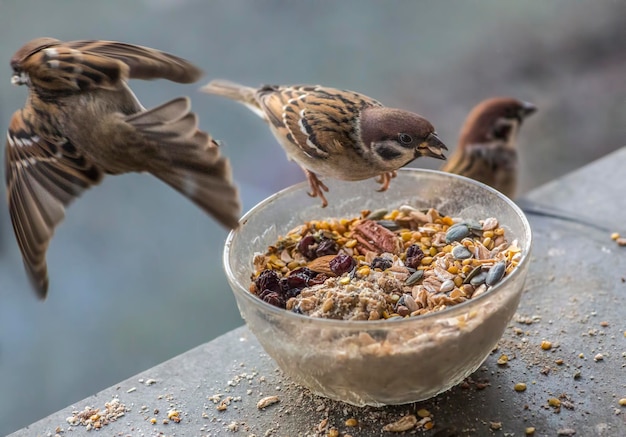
(574, 298)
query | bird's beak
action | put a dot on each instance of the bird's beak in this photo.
(527, 109)
(15, 79)
(432, 147)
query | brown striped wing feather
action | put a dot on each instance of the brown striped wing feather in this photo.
(319, 120)
(42, 177)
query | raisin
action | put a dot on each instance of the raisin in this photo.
(268, 280)
(306, 246)
(414, 256)
(273, 298)
(327, 247)
(381, 263)
(319, 279)
(342, 264)
(297, 280)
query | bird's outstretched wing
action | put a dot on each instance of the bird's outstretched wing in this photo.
(42, 178)
(55, 66)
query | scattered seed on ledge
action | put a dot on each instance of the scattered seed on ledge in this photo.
(546, 345)
(405, 423)
(267, 401)
(598, 357)
(520, 386)
(423, 412)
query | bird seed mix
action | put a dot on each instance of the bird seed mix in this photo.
(383, 264)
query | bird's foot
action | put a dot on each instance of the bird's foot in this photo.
(317, 187)
(385, 179)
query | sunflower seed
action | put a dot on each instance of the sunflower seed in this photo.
(457, 233)
(495, 273)
(415, 277)
(461, 252)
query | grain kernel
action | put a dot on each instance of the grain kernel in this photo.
(488, 234)
(453, 269)
(352, 422)
(433, 251)
(503, 360)
(520, 386)
(426, 260)
(546, 345)
(345, 280)
(423, 412)
(530, 430)
(351, 243)
(615, 235)
(334, 432)
(456, 293)
(458, 281)
(293, 265)
(429, 425)
(554, 402)
(364, 271)
(406, 235)
(622, 402)
(447, 248)
(498, 231)
(447, 220)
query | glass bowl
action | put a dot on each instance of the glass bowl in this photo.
(378, 362)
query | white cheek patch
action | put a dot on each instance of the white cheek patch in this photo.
(53, 64)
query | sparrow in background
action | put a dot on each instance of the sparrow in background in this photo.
(82, 121)
(336, 133)
(486, 151)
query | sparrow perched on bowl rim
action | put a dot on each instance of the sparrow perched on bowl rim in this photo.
(487, 149)
(337, 133)
(82, 121)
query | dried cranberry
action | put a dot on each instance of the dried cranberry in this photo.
(414, 256)
(297, 280)
(381, 263)
(275, 299)
(327, 247)
(306, 246)
(268, 280)
(341, 264)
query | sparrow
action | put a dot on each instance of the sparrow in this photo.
(81, 122)
(337, 133)
(486, 150)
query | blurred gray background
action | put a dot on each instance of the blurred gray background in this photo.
(135, 269)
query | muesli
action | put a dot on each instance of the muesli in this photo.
(383, 264)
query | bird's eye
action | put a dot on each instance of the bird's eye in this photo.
(405, 138)
(502, 131)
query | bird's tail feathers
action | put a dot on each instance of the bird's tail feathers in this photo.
(189, 160)
(231, 90)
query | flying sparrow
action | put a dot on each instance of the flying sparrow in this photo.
(486, 151)
(337, 133)
(82, 121)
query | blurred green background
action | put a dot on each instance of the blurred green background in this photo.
(135, 269)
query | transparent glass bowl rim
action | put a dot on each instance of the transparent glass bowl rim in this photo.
(243, 290)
